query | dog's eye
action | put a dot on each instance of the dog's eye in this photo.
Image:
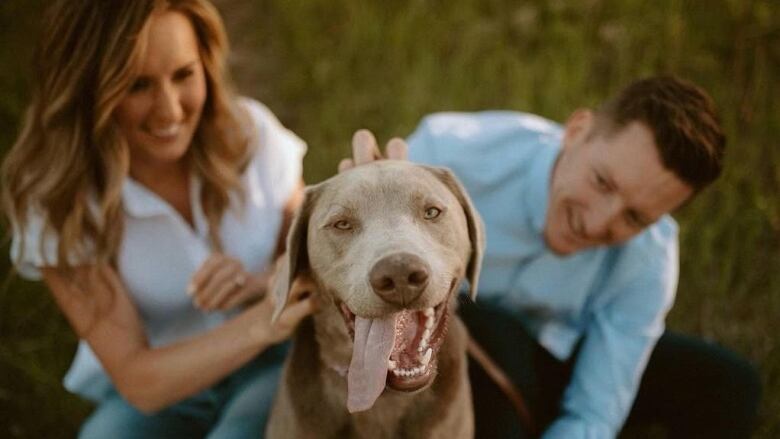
(342, 225)
(432, 213)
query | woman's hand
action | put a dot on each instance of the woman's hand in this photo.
(366, 150)
(221, 283)
(303, 301)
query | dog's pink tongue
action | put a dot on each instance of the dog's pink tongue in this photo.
(367, 374)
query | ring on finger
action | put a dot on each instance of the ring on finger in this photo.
(239, 280)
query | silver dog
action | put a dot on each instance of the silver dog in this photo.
(387, 244)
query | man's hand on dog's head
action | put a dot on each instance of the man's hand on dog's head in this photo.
(365, 150)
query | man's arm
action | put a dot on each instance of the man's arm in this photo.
(627, 320)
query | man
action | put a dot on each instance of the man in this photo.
(581, 264)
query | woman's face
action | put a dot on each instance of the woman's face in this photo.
(161, 111)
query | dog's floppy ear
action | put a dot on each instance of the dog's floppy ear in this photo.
(295, 258)
(474, 221)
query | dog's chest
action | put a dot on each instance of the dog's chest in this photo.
(393, 416)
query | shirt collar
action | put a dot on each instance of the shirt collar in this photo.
(140, 202)
(537, 192)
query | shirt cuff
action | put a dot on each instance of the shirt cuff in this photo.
(569, 427)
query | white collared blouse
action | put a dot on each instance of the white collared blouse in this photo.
(160, 251)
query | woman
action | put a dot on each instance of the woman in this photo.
(152, 202)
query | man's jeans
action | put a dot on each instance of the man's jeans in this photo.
(691, 388)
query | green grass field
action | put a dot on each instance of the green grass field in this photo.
(328, 67)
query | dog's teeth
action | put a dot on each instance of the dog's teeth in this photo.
(429, 323)
(428, 312)
(426, 358)
(409, 372)
(391, 364)
(415, 371)
(426, 335)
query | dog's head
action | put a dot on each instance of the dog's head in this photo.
(388, 242)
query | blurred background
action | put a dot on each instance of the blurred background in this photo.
(329, 67)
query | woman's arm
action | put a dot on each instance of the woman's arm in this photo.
(100, 311)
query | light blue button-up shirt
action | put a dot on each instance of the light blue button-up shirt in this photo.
(614, 298)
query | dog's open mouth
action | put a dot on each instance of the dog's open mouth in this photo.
(399, 351)
(417, 340)
(418, 336)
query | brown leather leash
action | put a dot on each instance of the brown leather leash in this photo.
(505, 384)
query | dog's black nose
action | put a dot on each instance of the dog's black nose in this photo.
(399, 278)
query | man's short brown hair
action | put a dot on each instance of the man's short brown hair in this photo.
(684, 122)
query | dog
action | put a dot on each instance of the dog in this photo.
(387, 244)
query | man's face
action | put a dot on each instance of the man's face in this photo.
(607, 187)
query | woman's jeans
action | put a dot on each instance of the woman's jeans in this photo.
(236, 407)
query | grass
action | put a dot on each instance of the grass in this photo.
(329, 67)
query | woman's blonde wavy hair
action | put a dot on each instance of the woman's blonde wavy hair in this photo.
(70, 153)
